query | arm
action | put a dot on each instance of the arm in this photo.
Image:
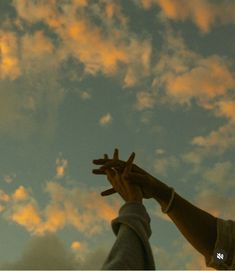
(197, 226)
(131, 249)
(132, 228)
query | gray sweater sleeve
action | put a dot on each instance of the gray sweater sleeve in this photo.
(131, 249)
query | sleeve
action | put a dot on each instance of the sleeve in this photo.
(223, 257)
(131, 249)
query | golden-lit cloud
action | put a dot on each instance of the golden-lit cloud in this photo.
(26, 215)
(210, 78)
(106, 119)
(78, 35)
(74, 207)
(145, 100)
(186, 75)
(20, 194)
(76, 245)
(4, 196)
(9, 62)
(226, 108)
(61, 165)
(203, 13)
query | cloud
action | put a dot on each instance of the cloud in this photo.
(85, 95)
(76, 245)
(9, 63)
(41, 38)
(226, 108)
(186, 75)
(183, 76)
(163, 165)
(173, 258)
(61, 166)
(9, 178)
(73, 207)
(114, 44)
(221, 175)
(4, 196)
(106, 119)
(44, 253)
(20, 194)
(49, 252)
(213, 192)
(219, 140)
(203, 13)
(25, 215)
(145, 100)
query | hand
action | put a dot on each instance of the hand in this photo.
(137, 175)
(127, 191)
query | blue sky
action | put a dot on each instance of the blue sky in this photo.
(79, 78)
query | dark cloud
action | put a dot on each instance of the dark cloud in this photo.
(49, 252)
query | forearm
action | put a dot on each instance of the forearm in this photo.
(127, 251)
(197, 226)
(131, 249)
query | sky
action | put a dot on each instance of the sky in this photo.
(79, 78)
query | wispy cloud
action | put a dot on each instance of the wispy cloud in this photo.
(85, 95)
(106, 119)
(61, 166)
(145, 100)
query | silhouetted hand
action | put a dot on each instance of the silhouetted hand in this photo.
(118, 179)
(136, 176)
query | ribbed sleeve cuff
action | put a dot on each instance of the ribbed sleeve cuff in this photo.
(134, 215)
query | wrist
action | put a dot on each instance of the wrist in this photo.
(134, 200)
(162, 194)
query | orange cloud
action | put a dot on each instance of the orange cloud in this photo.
(76, 245)
(204, 13)
(80, 37)
(9, 62)
(74, 207)
(100, 49)
(226, 108)
(36, 45)
(106, 119)
(20, 194)
(26, 215)
(209, 78)
(61, 165)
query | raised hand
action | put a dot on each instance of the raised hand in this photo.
(137, 175)
(118, 179)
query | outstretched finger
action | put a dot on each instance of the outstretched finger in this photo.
(114, 163)
(108, 192)
(115, 155)
(98, 171)
(129, 162)
(101, 161)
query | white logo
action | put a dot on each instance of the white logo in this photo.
(220, 256)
